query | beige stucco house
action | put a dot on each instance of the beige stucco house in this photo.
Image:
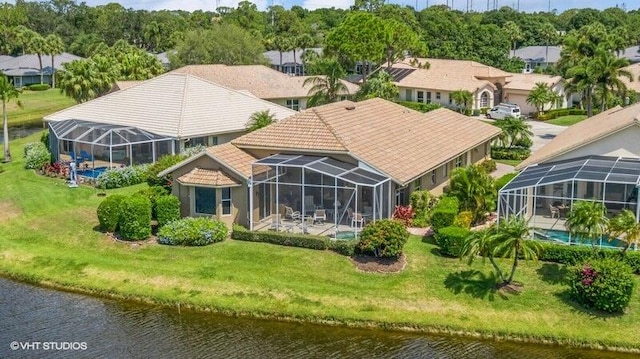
(519, 86)
(340, 158)
(263, 82)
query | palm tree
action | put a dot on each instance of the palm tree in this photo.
(549, 33)
(626, 228)
(541, 95)
(587, 220)
(282, 44)
(582, 81)
(303, 42)
(513, 33)
(511, 242)
(259, 120)
(474, 189)
(482, 243)
(39, 46)
(462, 98)
(514, 129)
(24, 36)
(7, 93)
(327, 88)
(606, 69)
(84, 80)
(55, 46)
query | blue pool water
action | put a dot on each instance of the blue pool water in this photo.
(92, 173)
(563, 236)
(345, 235)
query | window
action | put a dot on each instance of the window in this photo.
(450, 99)
(205, 200)
(484, 99)
(437, 95)
(214, 140)
(433, 177)
(293, 104)
(428, 96)
(420, 96)
(416, 185)
(226, 201)
(445, 171)
(458, 161)
(408, 95)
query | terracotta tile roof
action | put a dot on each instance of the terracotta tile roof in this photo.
(262, 81)
(207, 177)
(449, 75)
(635, 72)
(585, 132)
(527, 82)
(233, 158)
(397, 141)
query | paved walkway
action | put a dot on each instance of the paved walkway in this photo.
(501, 170)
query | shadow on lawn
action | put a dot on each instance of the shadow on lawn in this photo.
(565, 296)
(552, 273)
(474, 283)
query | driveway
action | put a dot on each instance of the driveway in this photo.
(543, 133)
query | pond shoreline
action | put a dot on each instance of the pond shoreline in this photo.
(370, 325)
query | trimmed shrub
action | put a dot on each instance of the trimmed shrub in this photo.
(162, 164)
(109, 212)
(122, 177)
(514, 153)
(502, 181)
(281, 238)
(463, 219)
(192, 232)
(153, 193)
(577, 254)
(167, 209)
(36, 155)
(39, 87)
(135, 218)
(524, 142)
(488, 166)
(344, 247)
(602, 284)
(476, 112)
(383, 238)
(444, 212)
(422, 107)
(451, 239)
(421, 203)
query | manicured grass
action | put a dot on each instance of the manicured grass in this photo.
(47, 236)
(567, 120)
(35, 105)
(509, 162)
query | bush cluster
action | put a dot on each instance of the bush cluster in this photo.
(550, 115)
(574, 255)
(602, 284)
(451, 239)
(444, 213)
(421, 107)
(421, 203)
(39, 87)
(524, 142)
(488, 166)
(122, 177)
(167, 209)
(192, 232)
(134, 221)
(383, 238)
(153, 193)
(36, 155)
(160, 165)
(463, 219)
(514, 153)
(109, 212)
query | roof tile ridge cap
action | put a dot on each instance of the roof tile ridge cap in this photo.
(183, 101)
(331, 129)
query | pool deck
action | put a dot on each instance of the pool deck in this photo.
(289, 226)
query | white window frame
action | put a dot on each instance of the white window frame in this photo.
(223, 200)
(484, 96)
(420, 97)
(293, 104)
(428, 97)
(459, 161)
(438, 95)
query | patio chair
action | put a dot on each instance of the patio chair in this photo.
(357, 221)
(554, 211)
(289, 213)
(85, 156)
(320, 215)
(276, 224)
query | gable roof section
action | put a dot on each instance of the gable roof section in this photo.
(446, 75)
(287, 56)
(207, 177)
(399, 142)
(527, 82)
(262, 81)
(177, 105)
(233, 158)
(538, 53)
(585, 132)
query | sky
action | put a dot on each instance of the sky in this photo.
(478, 5)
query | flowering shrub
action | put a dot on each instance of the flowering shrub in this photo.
(403, 214)
(36, 155)
(56, 169)
(192, 232)
(383, 238)
(603, 284)
(122, 177)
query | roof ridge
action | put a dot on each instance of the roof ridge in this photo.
(331, 129)
(184, 100)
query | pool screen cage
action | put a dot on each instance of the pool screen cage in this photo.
(544, 194)
(108, 144)
(347, 195)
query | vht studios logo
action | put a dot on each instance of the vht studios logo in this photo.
(48, 345)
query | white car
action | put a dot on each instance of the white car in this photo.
(504, 110)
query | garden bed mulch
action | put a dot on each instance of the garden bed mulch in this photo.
(116, 238)
(367, 263)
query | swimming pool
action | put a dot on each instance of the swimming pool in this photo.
(345, 235)
(563, 236)
(92, 173)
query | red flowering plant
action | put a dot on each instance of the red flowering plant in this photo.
(403, 214)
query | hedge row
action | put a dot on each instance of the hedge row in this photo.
(344, 247)
(514, 153)
(550, 115)
(192, 232)
(451, 239)
(444, 213)
(576, 254)
(421, 107)
(39, 87)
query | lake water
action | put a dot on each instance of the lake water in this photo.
(20, 131)
(44, 323)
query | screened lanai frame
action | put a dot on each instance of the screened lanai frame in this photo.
(340, 188)
(544, 193)
(109, 143)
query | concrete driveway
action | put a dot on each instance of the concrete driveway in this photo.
(543, 133)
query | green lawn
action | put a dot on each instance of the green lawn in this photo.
(567, 120)
(48, 237)
(35, 105)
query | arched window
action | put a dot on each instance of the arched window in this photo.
(484, 99)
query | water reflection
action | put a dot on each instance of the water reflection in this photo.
(20, 131)
(114, 329)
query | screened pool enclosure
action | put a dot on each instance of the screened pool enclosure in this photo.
(318, 195)
(106, 144)
(545, 193)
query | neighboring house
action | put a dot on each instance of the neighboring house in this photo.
(341, 158)
(433, 81)
(263, 82)
(163, 57)
(536, 56)
(519, 87)
(156, 117)
(631, 53)
(597, 159)
(634, 85)
(25, 70)
(287, 63)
